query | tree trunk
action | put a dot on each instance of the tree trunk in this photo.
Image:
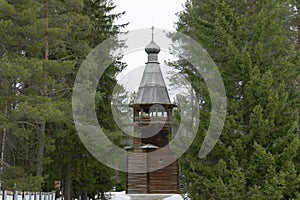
(298, 34)
(46, 37)
(68, 184)
(40, 155)
(102, 195)
(3, 148)
(298, 31)
(84, 194)
(41, 135)
(3, 143)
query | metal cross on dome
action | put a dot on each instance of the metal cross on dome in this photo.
(152, 32)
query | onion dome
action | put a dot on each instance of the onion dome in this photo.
(152, 48)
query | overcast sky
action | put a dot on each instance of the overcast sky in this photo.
(148, 13)
(143, 14)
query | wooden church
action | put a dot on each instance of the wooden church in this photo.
(152, 121)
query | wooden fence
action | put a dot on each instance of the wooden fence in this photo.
(10, 195)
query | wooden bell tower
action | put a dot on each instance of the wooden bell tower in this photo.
(152, 120)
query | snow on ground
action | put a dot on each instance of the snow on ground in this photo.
(119, 196)
(174, 197)
(123, 196)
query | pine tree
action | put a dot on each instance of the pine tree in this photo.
(42, 46)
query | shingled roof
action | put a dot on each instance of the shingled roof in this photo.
(152, 89)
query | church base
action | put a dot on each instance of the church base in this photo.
(154, 196)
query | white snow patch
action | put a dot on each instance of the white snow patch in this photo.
(174, 197)
(124, 196)
(119, 196)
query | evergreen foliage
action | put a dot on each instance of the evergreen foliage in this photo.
(42, 43)
(253, 44)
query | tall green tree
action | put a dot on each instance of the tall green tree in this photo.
(43, 43)
(253, 44)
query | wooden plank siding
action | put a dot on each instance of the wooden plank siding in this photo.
(162, 181)
(136, 183)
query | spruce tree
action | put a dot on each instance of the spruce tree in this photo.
(252, 43)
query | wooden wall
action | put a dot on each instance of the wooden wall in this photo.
(165, 180)
(162, 181)
(136, 183)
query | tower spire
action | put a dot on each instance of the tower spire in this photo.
(152, 89)
(152, 49)
(152, 33)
